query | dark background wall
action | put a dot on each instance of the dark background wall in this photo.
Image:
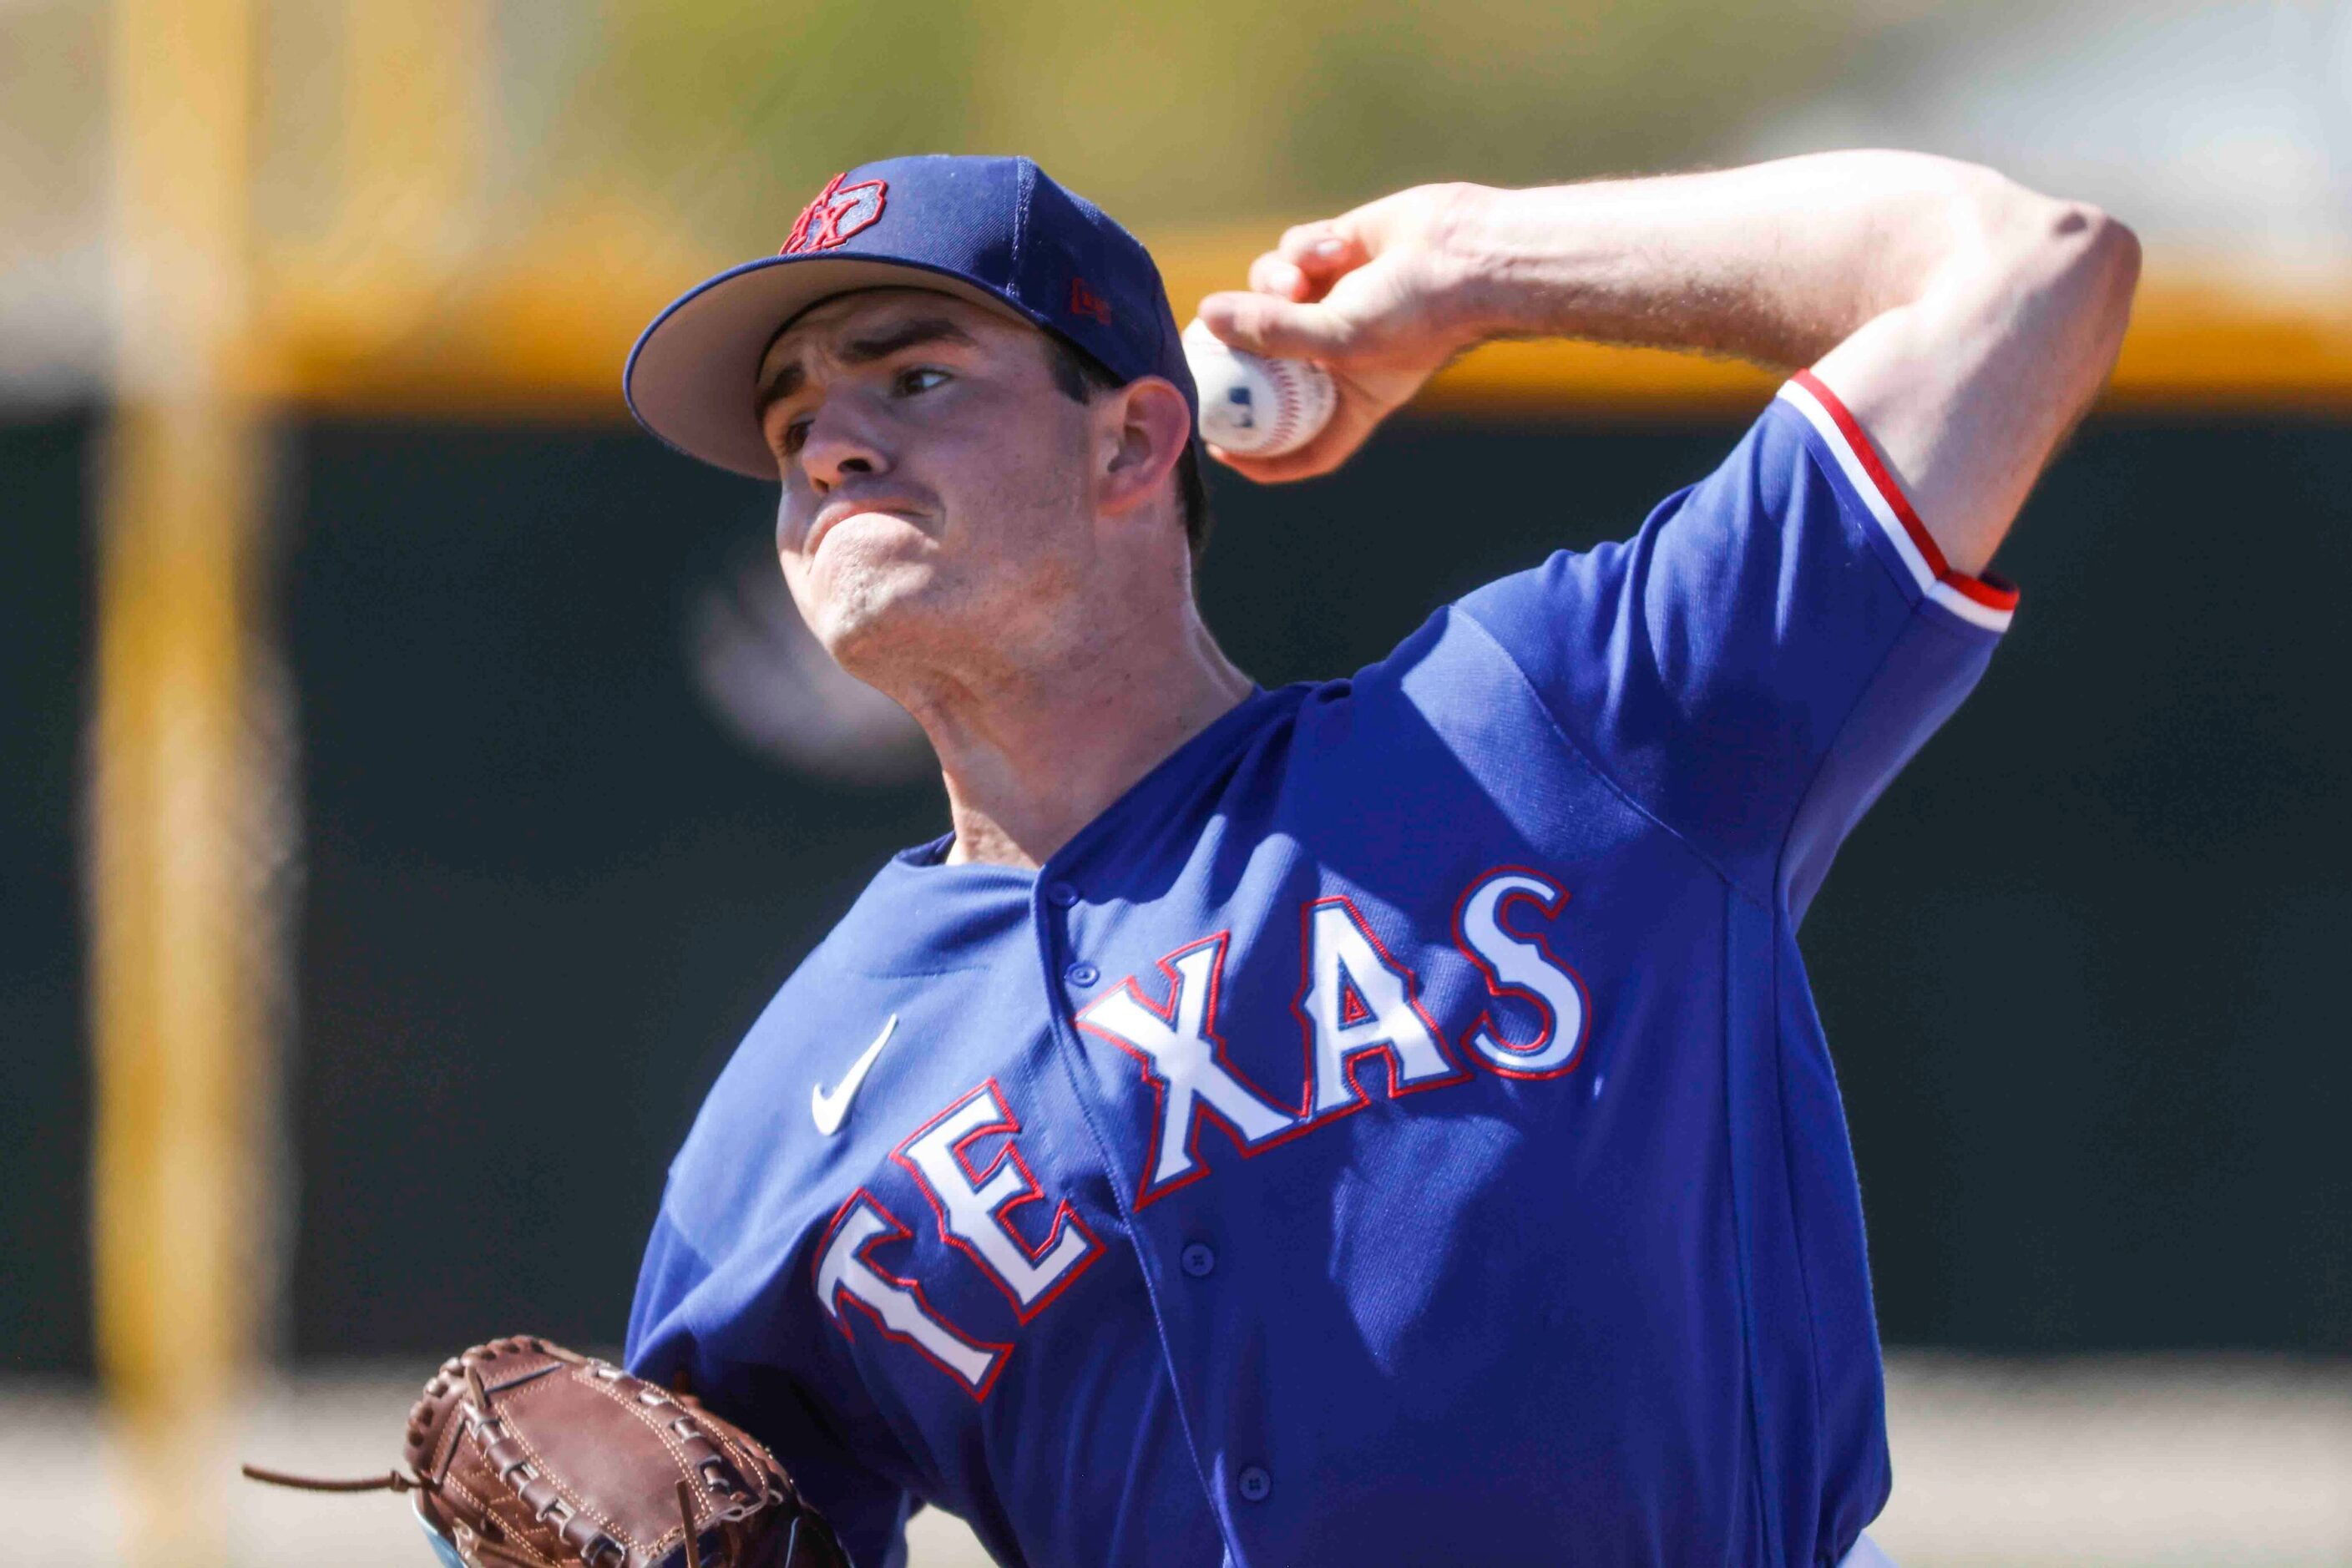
(2077, 967)
(44, 635)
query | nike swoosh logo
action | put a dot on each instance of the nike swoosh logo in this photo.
(827, 1110)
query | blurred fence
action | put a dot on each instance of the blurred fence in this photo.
(2077, 967)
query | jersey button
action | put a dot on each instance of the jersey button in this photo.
(1061, 895)
(1199, 1259)
(1256, 1484)
(1082, 973)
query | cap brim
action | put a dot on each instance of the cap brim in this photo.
(693, 373)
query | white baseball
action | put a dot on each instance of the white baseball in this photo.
(1253, 405)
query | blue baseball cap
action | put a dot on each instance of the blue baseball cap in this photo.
(997, 232)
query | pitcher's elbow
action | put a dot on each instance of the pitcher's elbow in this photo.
(2108, 254)
(2095, 258)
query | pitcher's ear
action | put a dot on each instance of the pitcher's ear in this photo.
(1153, 425)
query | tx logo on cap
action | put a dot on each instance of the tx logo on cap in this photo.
(837, 213)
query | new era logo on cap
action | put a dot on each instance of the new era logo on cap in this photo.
(1085, 301)
(838, 211)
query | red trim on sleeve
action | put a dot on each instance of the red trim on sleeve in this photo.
(1991, 594)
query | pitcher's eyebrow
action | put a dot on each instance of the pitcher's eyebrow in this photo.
(907, 335)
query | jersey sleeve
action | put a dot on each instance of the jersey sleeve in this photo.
(671, 1331)
(1755, 665)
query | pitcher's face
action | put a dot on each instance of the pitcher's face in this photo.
(935, 489)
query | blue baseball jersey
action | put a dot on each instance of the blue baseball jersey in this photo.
(1396, 1131)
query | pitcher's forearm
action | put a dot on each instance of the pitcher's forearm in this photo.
(1964, 319)
(1777, 263)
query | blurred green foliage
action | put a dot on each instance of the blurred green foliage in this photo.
(731, 111)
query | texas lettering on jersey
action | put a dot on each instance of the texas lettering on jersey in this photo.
(1356, 1003)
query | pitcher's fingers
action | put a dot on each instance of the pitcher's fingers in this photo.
(1266, 325)
(1270, 274)
(1324, 250)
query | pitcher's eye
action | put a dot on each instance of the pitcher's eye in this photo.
(795, 436)
(921, 378)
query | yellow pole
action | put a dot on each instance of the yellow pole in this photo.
(413, 125)
(181, 941)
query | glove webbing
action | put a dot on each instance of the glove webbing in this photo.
(537, 1493)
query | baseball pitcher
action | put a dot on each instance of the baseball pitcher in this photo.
(1380, 1120)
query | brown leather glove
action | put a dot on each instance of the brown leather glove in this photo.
(523, 1455)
